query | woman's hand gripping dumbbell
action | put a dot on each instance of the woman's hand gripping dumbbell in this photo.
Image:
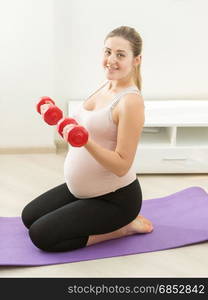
(68, 128)
(49, 111)
(72, 132)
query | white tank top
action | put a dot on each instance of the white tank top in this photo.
(84, 176)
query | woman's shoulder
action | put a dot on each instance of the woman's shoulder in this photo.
(131, 100)
(131, 107)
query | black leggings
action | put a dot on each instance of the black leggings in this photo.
(58, 221)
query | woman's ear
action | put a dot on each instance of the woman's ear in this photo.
(138, 59)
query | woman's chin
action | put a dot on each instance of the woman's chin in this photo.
(109, 75)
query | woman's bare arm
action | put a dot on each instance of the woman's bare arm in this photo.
(131, 121)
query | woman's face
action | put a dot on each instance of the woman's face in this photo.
(117, 58)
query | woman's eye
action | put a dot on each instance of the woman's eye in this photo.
(107, 52)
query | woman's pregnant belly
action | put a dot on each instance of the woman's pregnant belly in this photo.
(85, 177)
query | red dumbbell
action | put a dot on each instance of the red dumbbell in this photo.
(77, 135)
(53, 114)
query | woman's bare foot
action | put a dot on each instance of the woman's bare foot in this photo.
(139, 225)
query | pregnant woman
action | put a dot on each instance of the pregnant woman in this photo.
(101, 197)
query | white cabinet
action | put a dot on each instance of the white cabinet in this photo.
(174, 137)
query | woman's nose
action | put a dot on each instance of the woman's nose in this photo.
(112, 60)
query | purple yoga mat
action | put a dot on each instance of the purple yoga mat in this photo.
(179, 219)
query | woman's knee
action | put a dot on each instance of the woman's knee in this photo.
(44, 239)
(43, 235)
(26, 216)
(39, 236)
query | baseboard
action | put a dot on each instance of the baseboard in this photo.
(28, 150)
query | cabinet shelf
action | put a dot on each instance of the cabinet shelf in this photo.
(156, 136)
(190, 136)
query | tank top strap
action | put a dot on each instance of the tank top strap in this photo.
(100, 87)
(121, 94)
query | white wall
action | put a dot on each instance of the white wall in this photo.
(26, 72)
(53, 47)
(175, 45)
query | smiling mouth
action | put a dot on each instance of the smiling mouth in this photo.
(112, 69)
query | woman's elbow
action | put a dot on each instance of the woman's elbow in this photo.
(122, 172)
(123, 168)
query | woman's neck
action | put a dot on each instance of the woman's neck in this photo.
(114, 87)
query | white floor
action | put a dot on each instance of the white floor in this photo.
(24, 176)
